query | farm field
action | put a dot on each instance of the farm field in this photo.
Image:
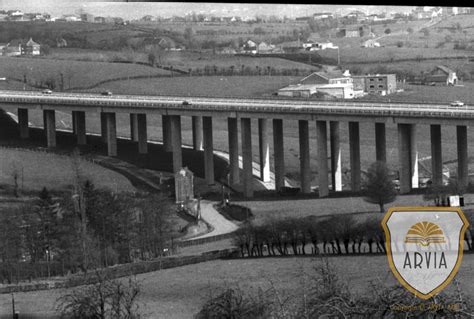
(264, 210)
(75, 73)
(235, 86)
(37, 170)
(180, 292)
(185, 60)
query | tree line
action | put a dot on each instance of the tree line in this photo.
(93, 228)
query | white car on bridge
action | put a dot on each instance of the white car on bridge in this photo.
(457, 103)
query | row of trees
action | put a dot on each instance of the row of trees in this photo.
(92, 228)
(340, 234)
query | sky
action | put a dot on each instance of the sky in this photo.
(136, 10)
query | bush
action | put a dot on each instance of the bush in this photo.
(105, 299)
(234, 303)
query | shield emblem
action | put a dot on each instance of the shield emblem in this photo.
(424, 246)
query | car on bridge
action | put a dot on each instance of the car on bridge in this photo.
(457, 103)
(47, 91)
(106, 93)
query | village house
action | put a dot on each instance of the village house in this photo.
(332, 83)
(322, 15)
(441, 75)
(315, 46)
(31, 48)
(19, 47)
(381, 84)
(264, 48)
(371, 44)
(13, 48)
(250, 47)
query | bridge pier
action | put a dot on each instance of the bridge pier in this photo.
(436, 155)
(80, 125)
(463, 172)
(264, 148)
(322, 141)
(103, 127)
(278, 155)
(197, 133)
(49, 117)
(380, 143)
(305, 169)
(74, 122)
(354, 152)
(414, 157)
(23, 123)
(246, 132)
(166, 126)
(111, 134)
(141, 132)
(408, 157)
(134, 127)
(233, 136)
(336, 157)
(175, 125)
(208, 149)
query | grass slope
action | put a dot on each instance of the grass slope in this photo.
(180, 292)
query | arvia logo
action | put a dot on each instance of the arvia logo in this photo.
(424, 246)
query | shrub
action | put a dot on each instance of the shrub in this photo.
(105, 299)
(234, 303)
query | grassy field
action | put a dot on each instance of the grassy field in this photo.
(237, 86)
(264, 210)
(180, 292)
(75, 73)
(37, 170)
(186, 60)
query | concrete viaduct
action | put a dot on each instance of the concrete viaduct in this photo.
(328, 116)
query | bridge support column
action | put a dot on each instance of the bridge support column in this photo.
(74, 122)
(133, 127)
(166, 126)
(264, 148)
(279, 157)
(354, 149)
(380, 143)
(23, 123)
(208, 150)
(103, 127)
(80, 120)
(322, 140)
(463, 176)
(141, 132)
(49, 117)
(436, 155)
(111, 134)
(175, 125)
(305, 169)
(414, 157)
(408, 157)
(234, 171)
(197, 133)
(246, 132)
(336, 157)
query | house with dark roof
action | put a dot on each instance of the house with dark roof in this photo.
(13, 48)
(32, 48)
(441, 75)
